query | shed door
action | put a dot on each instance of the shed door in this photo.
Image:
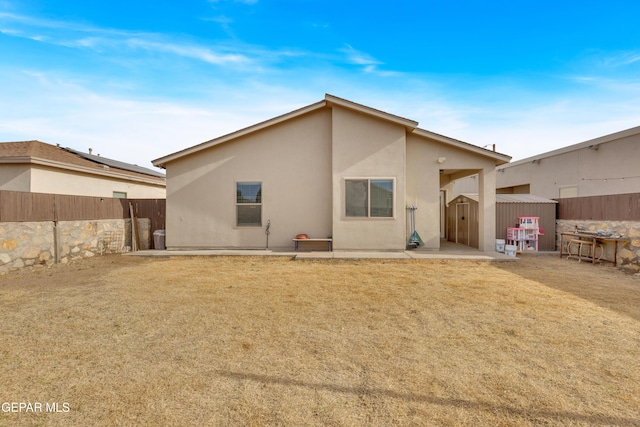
(462, 223)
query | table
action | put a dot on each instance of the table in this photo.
(594, 238)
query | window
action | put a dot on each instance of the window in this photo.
(566, 192)
(249, 204)
(119, 195)
(369, 198)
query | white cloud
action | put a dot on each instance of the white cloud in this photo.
(359, 58)
(368, 63)
(621, 59)
(190, 51)
(75, 35)
(225, 20)
(27, 23)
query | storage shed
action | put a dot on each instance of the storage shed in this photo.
(462, 217)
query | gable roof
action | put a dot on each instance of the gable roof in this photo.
(37, 152)
(330, 101)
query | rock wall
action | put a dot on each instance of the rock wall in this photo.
(24, 244)
(628, 251)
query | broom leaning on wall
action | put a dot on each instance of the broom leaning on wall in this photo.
(414, 239)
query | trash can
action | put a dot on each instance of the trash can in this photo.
(158, 239)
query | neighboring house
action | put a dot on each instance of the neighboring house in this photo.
(333, 168)
(603, 166)
(33, 166)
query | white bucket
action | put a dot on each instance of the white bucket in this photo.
(500, 245)
(510, 250)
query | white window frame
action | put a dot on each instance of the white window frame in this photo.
(368, 216)
(239, 204)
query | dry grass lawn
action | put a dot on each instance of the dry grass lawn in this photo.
(271, 341)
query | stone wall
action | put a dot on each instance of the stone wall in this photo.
(628, 251)
(25, 244)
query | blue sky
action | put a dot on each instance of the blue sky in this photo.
(136, 80)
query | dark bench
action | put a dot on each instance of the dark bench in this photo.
(296, 242)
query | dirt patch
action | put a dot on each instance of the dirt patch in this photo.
(270, 341)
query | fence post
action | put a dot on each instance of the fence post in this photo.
(56, 243)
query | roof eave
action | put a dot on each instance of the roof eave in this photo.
(498, 157)
(334, 100)
(59, 165)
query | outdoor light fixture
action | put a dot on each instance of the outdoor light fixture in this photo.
(441, 160)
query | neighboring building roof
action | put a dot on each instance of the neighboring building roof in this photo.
(592, 143)
(116, 163)
(522, 198)
(330, 101)
(38, 152)
(512, 198)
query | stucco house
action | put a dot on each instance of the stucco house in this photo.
(333, 168)
(602, 166)
(37, 167)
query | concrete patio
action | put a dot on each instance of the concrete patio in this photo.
(448, 251)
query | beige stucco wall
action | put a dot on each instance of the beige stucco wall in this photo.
(366, 147)
(50, 180)
(424, 182)
(423, 187)
(293, 162)
(463, 185)
(14, 177)
(592, 172)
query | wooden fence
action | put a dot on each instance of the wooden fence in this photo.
(18, 206)
(616, 207)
